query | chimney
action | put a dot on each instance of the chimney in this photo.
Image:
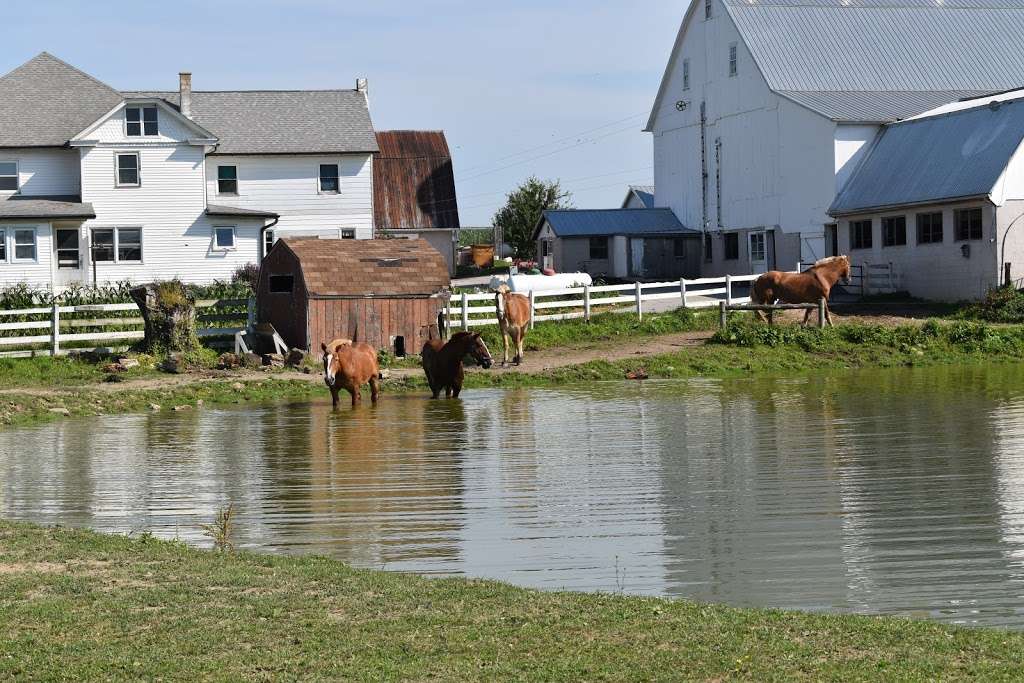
(362, 86)
(185, 93)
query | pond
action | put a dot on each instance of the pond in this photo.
(896, 491)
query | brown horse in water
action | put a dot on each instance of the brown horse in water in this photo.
(513, 319)
(442, 362)
(801, 288)
(349, 365)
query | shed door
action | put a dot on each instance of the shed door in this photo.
(758, 252)
(636, 249)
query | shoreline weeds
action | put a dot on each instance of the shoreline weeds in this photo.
(80, 605)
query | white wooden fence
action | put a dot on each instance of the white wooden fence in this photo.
(55, 330)
(472, 310)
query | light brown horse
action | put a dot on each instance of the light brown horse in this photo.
(349, 365)
(801, 288)
(513, 319)
(442, 362)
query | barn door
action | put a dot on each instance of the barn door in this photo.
(636, 260)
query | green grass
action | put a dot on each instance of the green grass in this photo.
(75, 605)
(44, 371)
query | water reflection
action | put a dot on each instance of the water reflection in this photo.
(897, 491)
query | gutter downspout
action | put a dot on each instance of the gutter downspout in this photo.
(263, 232)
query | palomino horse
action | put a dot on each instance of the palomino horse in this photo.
(513, 319)
(349, 365)
(801, 288)
(442, 362)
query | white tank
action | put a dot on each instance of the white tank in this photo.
(541, 283)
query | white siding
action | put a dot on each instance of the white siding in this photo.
(169, 206)
(289, 185)
(45, 171)
(170, 127)
(851, 143)
(33, 273)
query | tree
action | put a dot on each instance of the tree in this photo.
(522, 211)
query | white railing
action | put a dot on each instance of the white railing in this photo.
(472, 310)
(51, 331)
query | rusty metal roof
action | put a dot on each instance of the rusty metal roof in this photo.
(368, 268)
(413, 181)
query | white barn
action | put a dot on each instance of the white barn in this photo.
(767, 106)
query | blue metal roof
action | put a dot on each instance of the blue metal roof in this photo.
(935, 158)
(645, 193)
(597, 222)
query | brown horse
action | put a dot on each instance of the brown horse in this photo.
(349, 365)
(801, 288)
(513, 319)
(442, 362)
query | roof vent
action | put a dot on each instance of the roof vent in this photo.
(185, 94)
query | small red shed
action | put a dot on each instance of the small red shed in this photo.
(387, 293)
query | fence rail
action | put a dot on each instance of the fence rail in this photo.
(92, 327)
(473, 310)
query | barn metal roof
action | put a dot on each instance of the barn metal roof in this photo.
(644, 193)
(875, 61)
(413, 181)
(603, 222)
(938, 158)
(368, 268)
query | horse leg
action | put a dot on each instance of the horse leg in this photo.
(456, 388)
(828, 315)
(517, 337)
(448, 391)
(807, 316)
(334, 396)
(374, 389)
(504, 343)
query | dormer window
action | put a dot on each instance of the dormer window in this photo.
(329, 178)
(141, 121)
(8, 176)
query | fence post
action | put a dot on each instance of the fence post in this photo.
(586, 303)
(723, 320)
(55, 330)
(639, 302)
(728, 289)
(533, 308)
(799, 267)
(250, 314)
(865, 280)
(682, 290)
(821, 312)
(465, 311)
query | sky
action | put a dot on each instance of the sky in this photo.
(560, 89)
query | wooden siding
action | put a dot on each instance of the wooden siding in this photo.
(286, 312)
(413, 181)
(289, 185)
(375, 321)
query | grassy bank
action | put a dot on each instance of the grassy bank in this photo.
(75, 605)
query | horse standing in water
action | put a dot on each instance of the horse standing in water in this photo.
(513, 319)
(801, 288)
(349, 365)
(442, 362)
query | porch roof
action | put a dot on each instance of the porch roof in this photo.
(18, 206)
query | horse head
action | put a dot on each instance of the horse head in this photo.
(478, 349)
(330, 359)
(844, 269)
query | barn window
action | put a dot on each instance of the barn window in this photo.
(227, 180)
(140, 121)
(968, 224)
(329, 178)
(127, 169)
(929, 228)
(732, 246)
(860, 234)
(732, 59)
(282, 284)
(8, 175)
(679, 247)
(686, 74)
(894, 231)
(598, 248)
(708, 249)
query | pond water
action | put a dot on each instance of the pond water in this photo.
(898, 491)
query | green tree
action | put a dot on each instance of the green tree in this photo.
(523, 208)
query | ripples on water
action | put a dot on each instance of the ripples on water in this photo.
(878, 492)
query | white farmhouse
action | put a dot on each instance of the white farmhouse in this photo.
(98, 185)
(767, 106)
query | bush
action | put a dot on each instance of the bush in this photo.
(248, 275)
(1003, 305)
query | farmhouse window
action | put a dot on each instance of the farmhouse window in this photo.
(8, 176)
(329, 178)
(141, 121)
(348, 234)
(860, 234)
(3, 246)
(732, 246)
(894, 231)
(598, 248)
(224, 237)
(282, 284)
(686, 74)
(127, 169)
(968, 224)
(24, 244)
(679, 247)
(268, 241)
(227, 180)
(929, 227)
(732, 60)
(117, 245)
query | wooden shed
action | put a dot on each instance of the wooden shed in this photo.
(387, 293)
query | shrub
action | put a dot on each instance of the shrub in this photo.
(1003, 305)
(249, 275)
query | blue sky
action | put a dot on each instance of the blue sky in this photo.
(571, 80)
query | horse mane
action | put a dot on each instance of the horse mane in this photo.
(827, 261)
